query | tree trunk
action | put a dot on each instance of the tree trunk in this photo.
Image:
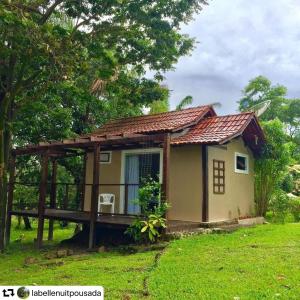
(3, 174)
(6, 112)
(27, 223)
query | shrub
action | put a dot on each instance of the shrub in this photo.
(279, 205)
(149, 195)
(295, 208)
(148, 228)
(152, 227)
(135, 230)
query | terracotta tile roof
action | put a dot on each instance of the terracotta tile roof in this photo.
(168, 121)
(215, 129)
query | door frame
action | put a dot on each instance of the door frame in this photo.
(122, 176)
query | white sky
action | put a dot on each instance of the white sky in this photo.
(237, 41)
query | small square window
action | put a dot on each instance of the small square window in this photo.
(105, 157)
(241, 163)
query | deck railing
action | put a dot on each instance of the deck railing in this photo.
(69, 196)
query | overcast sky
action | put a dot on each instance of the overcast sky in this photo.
(239, 40)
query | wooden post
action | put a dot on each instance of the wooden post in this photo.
(95, 193)
(126, 199)
(166, 168)
(12, 171)
(52, 197)
(42, 199)
(83, 182)
(66, 198)
(205, 183)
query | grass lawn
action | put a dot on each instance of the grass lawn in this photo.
(253, 263)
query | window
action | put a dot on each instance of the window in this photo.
(219, 176)
(241, 163)
(105, 157)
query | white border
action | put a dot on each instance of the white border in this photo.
(122, 177)
(110, 158)
(246, 156)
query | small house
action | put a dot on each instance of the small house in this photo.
(204, 162)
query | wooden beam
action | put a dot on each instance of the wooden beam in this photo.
(95, 193)
(166, 167)
(42, 199)
(12, 171)
(205, 207)
(52, 197)
(87, 142)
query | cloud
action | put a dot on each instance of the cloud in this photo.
(238, 40)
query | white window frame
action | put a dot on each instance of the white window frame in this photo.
(110, 157)
(246, 156)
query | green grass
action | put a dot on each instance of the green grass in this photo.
(253, 263)
(121, 274)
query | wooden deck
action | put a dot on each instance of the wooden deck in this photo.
(107, 220)
(77, 216)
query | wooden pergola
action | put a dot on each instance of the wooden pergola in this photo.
(51, 151)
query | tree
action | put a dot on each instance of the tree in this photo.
(188, 100)
(100, 38)
(163, 105)
(272, 166)
(281, 123)
(260, 89)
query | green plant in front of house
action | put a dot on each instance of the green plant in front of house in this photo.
(154, 224)
(149, 195)
(148, 227)
(152, 227)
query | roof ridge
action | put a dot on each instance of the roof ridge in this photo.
(162, 113)
(230, 115)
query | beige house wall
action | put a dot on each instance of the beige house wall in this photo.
(186, 183)
(109, 174)
(238, 199)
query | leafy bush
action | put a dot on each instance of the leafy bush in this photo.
(295, 208)
(148, 228)
(149, 195)
(152, 227)
(279, 205)
(135, 230)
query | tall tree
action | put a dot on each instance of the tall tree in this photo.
(281, 123)
(272, 166)
(260, 89)
(287, 110)
(103, 37)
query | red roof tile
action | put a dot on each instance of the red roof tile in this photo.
(168, 121)
(215, 129)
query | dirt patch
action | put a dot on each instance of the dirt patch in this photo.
(103, 237)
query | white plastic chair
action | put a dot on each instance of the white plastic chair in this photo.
(106, 200)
